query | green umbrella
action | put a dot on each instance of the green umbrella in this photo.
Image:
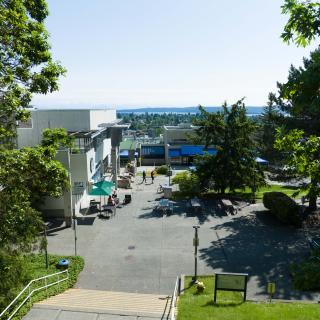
(104, 184)
(100, 191)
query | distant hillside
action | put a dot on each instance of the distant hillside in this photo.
(251, 110)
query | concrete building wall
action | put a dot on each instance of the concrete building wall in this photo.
(83, 167)
(152, 162)
(62, 206)
(71, 120)
(176, 135)
(107, 151)
(98, 117)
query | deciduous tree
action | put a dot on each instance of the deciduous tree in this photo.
(26, 64)
(303, 157)
(303, 24)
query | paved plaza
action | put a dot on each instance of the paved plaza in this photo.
(141, 250)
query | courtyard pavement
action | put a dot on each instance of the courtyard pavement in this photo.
(139, 250)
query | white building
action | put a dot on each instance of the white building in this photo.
(97, 137)
(178, 146)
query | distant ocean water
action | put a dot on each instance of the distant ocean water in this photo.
(251, 111)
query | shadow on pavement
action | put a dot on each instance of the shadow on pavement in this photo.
(259, 245)
(211, 208)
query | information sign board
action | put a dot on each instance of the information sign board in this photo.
(271, 288)
(231, 282)
(78, 187)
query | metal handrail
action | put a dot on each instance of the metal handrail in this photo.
(46, 286)
(174, 300)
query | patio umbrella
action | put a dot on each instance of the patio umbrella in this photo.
(100, 191)
(104, 184)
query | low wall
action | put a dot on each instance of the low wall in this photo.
(151, 162)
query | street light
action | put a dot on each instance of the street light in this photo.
(75, 231)
(254, 186)
(195, 244)
(169, 173)
(45, 244)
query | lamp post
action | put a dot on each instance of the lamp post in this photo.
(75, 231)
(254, 186)
(195, 244)
(46, 245)
(169, 172)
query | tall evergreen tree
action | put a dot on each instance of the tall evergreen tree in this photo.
(269, 120)
(231, 132)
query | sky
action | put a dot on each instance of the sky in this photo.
(135, 53)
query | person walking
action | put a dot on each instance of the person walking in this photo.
(144, 177)
(152, 175)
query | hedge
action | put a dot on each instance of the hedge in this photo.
(283, 207)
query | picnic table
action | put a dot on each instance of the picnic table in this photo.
(94, 204)
(229, 206)
(196, 205)
(108, 207)
(165, 206)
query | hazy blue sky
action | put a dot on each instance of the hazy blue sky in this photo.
(168, 52)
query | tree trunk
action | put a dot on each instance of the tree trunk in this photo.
(312, 202)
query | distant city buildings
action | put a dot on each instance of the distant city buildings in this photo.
(173, 147)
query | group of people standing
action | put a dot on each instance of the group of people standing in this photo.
(144, 176)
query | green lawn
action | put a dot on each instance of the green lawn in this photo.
(229, 306)
(35, 267)
(247, 194)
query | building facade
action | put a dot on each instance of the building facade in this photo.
(178, 145)
(97, 136)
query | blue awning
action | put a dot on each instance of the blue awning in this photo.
(191, 150)
(173, 153)
(124, 153)
(211, 151)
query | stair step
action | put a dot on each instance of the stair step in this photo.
(109, 302)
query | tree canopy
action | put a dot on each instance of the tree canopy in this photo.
(26, 64)
(232, 133)
(302, 156)
(29, 174)
(269, 120)
(303, 25)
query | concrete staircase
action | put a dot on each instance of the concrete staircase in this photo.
(103, 303)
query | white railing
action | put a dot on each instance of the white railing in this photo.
(174, 300)
(31, 292)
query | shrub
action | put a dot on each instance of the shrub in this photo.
(162, 169)
(306, 276)
(188, 183)
(283, 207)
(33, 266)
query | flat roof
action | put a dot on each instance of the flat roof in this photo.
(191, 127)
(128, 144)
(71, 109)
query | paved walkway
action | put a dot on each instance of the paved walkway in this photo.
(141, 251)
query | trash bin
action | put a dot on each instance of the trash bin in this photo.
(167, 192)
(63, 264)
